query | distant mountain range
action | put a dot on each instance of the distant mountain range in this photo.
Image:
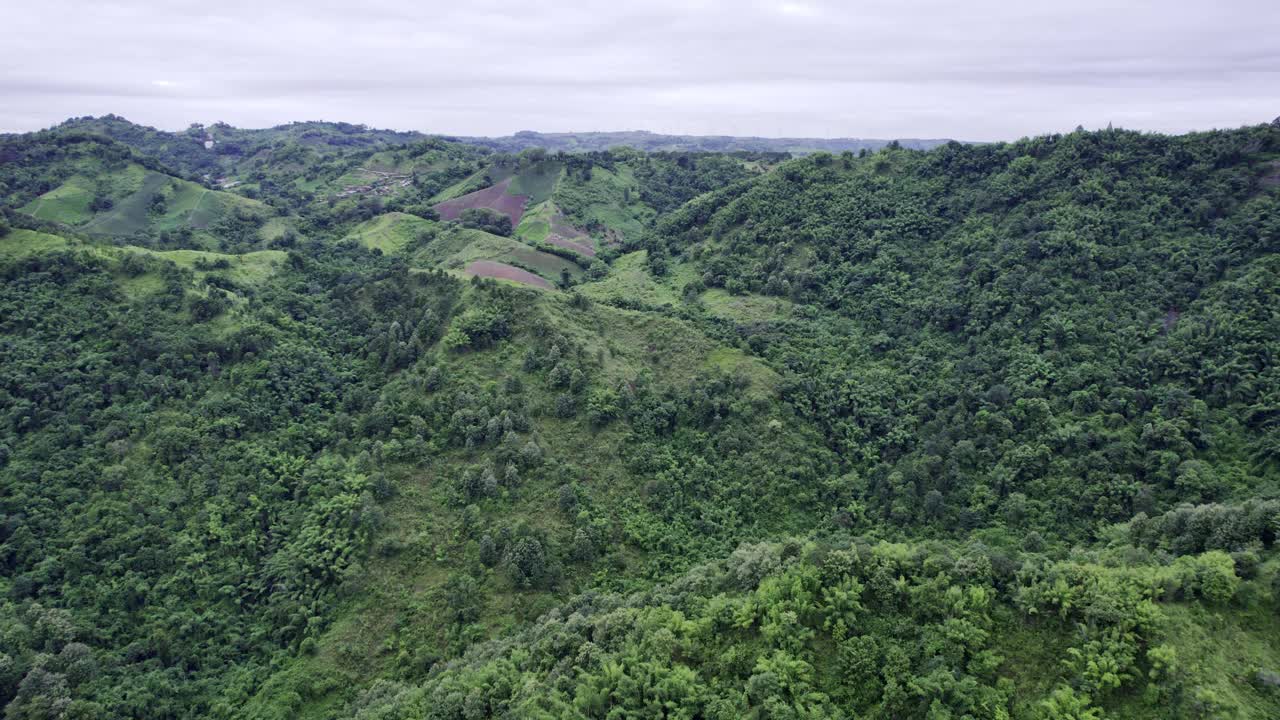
(656, 142)
(355, 136)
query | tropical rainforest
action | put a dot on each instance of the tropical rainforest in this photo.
(322, 421)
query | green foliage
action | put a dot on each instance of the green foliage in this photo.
(211, 471)
(482, 325)
(984, 432)
(487, 220)
(1034, 318)
(819, 630)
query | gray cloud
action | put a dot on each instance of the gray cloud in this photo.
(872, 68)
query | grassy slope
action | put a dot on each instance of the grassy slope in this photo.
(608, 199)
(457, 247)
(68, 203)
(473, 182)
(19, 243)
(186, 204)
(390, 232)
(540, 220)
(747, 308)
(252, 268)
(535, 225)
(629, 280)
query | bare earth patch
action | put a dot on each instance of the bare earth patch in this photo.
(489, 268)
(560, 226)
(495, 197)
(578, 247)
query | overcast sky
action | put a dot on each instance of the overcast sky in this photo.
(977, 70)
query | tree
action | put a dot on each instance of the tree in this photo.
(1066, 704)
(464, 597)
(531, 454)
(566, 406)
(42, 695)
(568, 498)
(583, 548)
(528, 562)
(490, 221)
(488, 551)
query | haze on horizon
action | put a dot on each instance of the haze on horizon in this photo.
(872, 68)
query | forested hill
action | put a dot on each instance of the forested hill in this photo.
(351, 424)
(1080, 325)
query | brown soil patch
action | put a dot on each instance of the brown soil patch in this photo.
(578, 247)
(494, 197)
(560, 226)
(489, 268)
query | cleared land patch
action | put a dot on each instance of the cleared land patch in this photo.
(495, 197)
(580, 248)
(503, 271)
(68, 203)
(130, 214)
(454, 250)
(477, 180)
(545, 223)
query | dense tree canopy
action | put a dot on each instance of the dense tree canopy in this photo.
(989, 431)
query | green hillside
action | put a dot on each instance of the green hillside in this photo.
(100, 188)
(454, 248)
(980, 432)
(391, 232)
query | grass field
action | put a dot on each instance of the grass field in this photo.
(607, 199)
(129, 214)
(745, 308)
(68, 203)
(544, 223)
(455, 249)
(189, 205)
(536, 223)
(19, 243)
(130, 189)
(391, 232)
(274, 228)
(630, 280)
(248, 269)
